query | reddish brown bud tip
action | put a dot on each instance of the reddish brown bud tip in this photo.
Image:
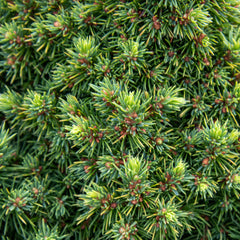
(108, 165)
(159, 141)
(57, 24)
(117, 128)
(113, 205)
(205, 161)
(134, 202)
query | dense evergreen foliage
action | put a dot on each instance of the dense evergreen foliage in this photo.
(119, 119)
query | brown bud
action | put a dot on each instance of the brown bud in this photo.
(159, 105)
(117, 128)
(18, 40)
(121, 230)
(133, 19)
(86, 168)
(11, 61)
(131, 186)
(108, 196)
(171, 54)
(157, 25)
(35, 190)
(83, 226)
(134, 115)
(134, 202)
(57, 24)
(205, 161)
(133, 129)
(224, 110)
(108, 165)
(71, 85)
(113, 205)
(164, 210)
(159, 141)
(163, 188)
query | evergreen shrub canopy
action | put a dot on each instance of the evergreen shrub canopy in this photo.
(119, 119)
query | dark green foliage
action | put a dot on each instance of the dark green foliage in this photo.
(119, 119)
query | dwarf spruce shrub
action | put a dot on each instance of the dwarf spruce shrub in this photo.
(119, 119)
